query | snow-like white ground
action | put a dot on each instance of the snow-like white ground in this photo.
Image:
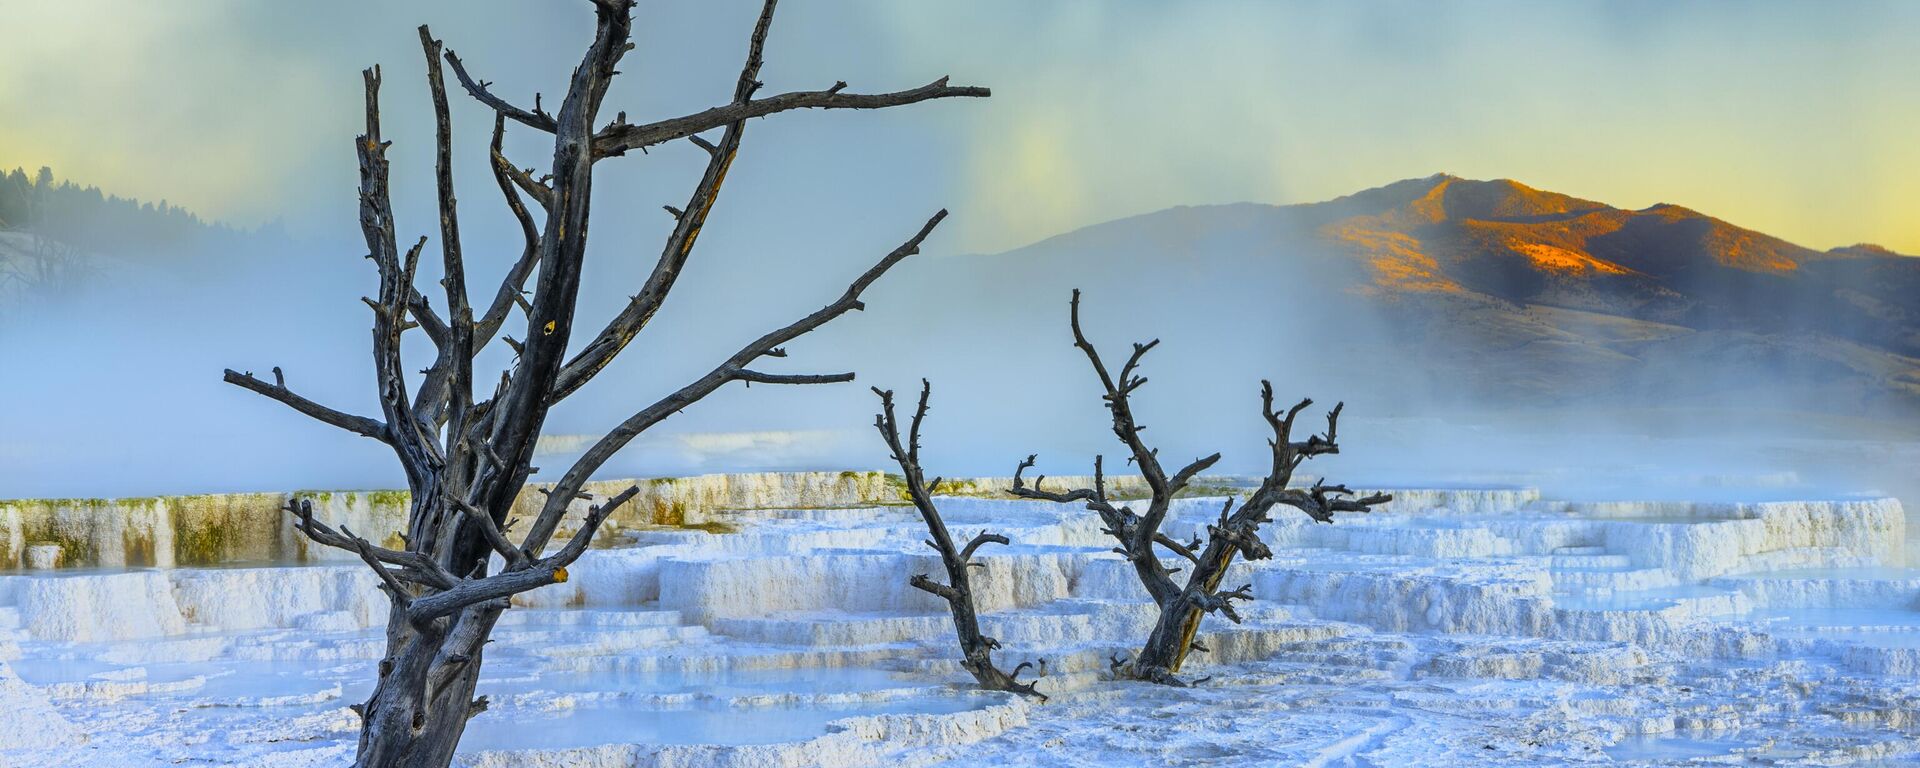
(1455, 628)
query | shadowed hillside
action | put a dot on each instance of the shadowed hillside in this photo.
(1470, 293)
(1567, 298)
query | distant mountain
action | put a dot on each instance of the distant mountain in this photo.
(1487, 291)
(1505, 241)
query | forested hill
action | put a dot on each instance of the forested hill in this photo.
(92, 220)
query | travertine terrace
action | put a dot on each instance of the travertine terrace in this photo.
(1492, 623)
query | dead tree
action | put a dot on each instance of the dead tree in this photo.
(467, 456)
(958, 591)
(1236, 533)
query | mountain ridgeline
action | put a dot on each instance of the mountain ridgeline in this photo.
(1445, 292)
(57, 237)
(90, 219)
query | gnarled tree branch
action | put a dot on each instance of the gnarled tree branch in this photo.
(359, 425)
(733, 369)
(958, 591)
(536, 118)
(618, 139)
(693, 216)
(415, 567)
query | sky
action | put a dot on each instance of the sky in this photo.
(1790, 118)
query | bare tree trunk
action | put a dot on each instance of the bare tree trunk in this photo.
(1183, 606)
(975, 647)
(467, 457)
(420, 708)
(1173, 633)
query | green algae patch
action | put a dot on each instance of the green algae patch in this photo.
(671, 512)
(139, 546)
(211, 529)
(317, 497)
(214, 529)
(201, 542)
(389, 498)
(74, 550)
(896, 488)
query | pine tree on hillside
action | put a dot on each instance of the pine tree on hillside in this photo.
(14, 192)
(90, 219)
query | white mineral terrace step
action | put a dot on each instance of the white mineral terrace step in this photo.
(1589, 562)
(576, 642)
(1454, 620)
(1613, 580)
(547, 617)
(1579, 550)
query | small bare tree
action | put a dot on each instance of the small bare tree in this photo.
(46, 268)
(466, 459)
(958, 591)
(1236, 533)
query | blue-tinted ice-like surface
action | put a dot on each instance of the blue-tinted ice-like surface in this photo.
(1454, 628)
(622, 723)
(1674, 747)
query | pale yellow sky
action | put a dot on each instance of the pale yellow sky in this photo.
(1790, 118)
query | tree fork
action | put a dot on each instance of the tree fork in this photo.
(1184, 606)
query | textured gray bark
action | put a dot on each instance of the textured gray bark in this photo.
(467, 457)
(976, 648)
(1183, 606)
